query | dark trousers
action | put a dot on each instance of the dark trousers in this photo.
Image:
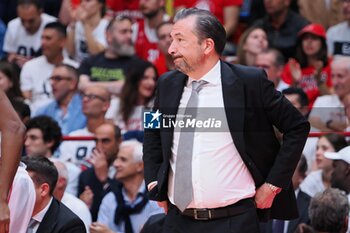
(246, 222)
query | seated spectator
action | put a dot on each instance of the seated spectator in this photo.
(23, 35)
(272, 61)
(338, 36)
(320, 179)
(66, 108)
(49, 215)
(252, 42)
(329, 212)
(341, 176)
(96, 182)
(35, 74)
(9, 81)
(96, 101)
(76, 205)
(226, 11)
(282, 26)
(324, 12)
(137, 93)
(108, 69)
(328, 111)
(86, 32)
(128, 201)
(43, 137)
(298, 98)
(165, 61)
(311, 68)
(144, 30)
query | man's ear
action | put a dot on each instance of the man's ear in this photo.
(44, 190)
(209, 46)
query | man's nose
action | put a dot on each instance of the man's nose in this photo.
(171, 49)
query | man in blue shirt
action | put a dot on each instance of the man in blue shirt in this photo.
(66, 109)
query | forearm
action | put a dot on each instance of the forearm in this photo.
(113, 87)
(70, 45)
(93, 45)
(231, 15)
(11, 146)
(317, 123)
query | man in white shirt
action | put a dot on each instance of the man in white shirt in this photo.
(49, 215)
(22, 38)
(338, 36)
(219, 181)
(34, 77)
(328, 112)
(96, 101)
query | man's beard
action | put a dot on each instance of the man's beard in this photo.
(123, 50)
(151, 14)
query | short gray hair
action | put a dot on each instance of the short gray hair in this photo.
(207, 26)
(137, 149)
(328, 210)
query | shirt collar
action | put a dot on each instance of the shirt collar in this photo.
(40, 216)
(213, 76)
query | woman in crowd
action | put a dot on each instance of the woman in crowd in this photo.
(137, 93)
(252, 42)
(9, 81)
(86, 32)
(320, 179)
(310, 70)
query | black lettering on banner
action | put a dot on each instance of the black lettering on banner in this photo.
(81, 152)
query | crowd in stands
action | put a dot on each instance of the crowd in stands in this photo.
(90, 68)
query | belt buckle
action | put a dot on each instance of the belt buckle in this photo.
(198, 214)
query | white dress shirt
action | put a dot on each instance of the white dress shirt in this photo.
(219, 175)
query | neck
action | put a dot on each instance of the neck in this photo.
(279, 18)
(58, 193)
(169, 63)
(326, 177)
(205, 68)
(250, 59)
(155, 20)
(312, 61)
(65, 102)
(94, 20)
(109, 53)
(55, 60)
(93, 123)
(141, 100)
(39, 206)
(132, 186)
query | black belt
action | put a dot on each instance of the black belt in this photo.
(231, 210)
